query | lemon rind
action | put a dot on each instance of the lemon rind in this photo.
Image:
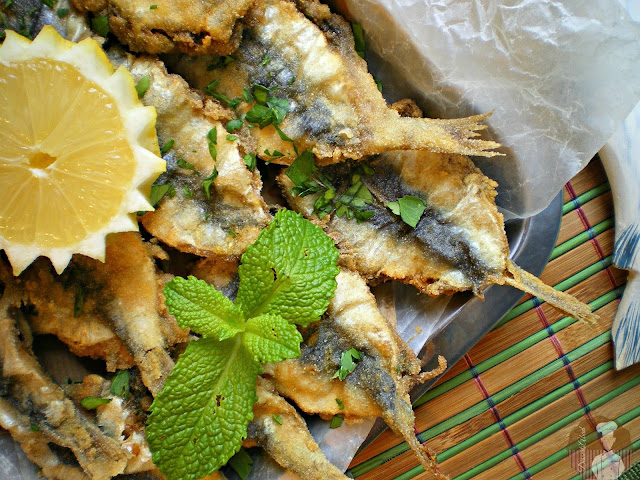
(88, 58)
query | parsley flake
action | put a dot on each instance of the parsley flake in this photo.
(241, 462)
(358, 39)
(120, 384)
(167, 146)
(340, 404)
(100, 25)
(277, 418)
(91, 403)
(153, 7)
(143, 85)
(182, 163)
(348, 362)
(250, 161)
(207, 182)
(34, 427)
(49, 3)
(336, 421)
(62, 12)
(222, 61)
(409, 208)
(158, 192)
(233, 125)
(187, 192)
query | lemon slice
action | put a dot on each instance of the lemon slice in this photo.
(78, 151)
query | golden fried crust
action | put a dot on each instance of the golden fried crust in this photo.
(191, 26)
(288, 441)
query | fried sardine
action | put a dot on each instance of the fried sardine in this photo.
(336, 109)
(191, 26)
(458, 244)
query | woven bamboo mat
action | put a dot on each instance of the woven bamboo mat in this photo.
(525, 401)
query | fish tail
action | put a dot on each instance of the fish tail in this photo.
(568, 304)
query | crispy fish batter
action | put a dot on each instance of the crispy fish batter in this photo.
(121, 317)
(289, 443)
(39, 415)
(233, 215)
(458, 244)
(337, 110)
(191, 26)
(380, 383)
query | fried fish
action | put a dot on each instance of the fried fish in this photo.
(191, 26)
(335, 107)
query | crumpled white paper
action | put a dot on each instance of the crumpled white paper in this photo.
(560, 77)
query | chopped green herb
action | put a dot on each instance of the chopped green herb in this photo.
(231, 233)
(211, 90)
(120, 384)
(291, 80)
(207, 216)
(158, 192)
(265, 60)
(235, 102)
(340, 404)
(212, 135)
(210, 393)
(250, 161)
(62, 12)
(7, 5)
(187, 192)
(213, 151)
(182, 163)
(100, 25)
(222, 61)
(32, 12)
(277, 418)
(260, 93)
(231, 138)
(143, 85)
(378, 84)
(274, 154)
(409, 208)
(78, 303)
(301, 170)
(34, 427)
(336, 421)
(358, 38)
(207, 182)
(49, 3)
(153, 7)
(246, 95)
(241, 462)
(348, 361)
(167, 146)
(233, 125)
(91, 403)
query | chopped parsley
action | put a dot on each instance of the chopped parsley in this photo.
(247, 96)
(277, 418)
(143, 85)
(348, 362)
(358, 39)
(212, 136)
(274, 154)
(336, 421)
(231, 138)
(409, 208)
(7, 5)
(158, 192)
(231, 233)
(340, 404)
(241, 462)
(222, 61)
(250, 161)
(265, 60)
(207, 182)
(187, 192)
(34, 427)
(182, 163)
(378, 84)
(49, 3)
(100, 25)
(120, 384)
(62, 12)
(167, 146)
(91, 403)
(233, 125)
(211, 90)
(153, 7)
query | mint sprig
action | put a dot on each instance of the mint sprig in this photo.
(200, 417)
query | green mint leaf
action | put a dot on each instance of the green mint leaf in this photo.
(200, 417)
(143, 85)
(120, 384)
(290, 271)
(202, 308)
(100, 25)
(207, 182)
(270, 338)
(358, 39)
(347, 363)
(241, 462)
(302, 168)
(410, 209)
(91, 403)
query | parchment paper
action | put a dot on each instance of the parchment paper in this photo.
(560, 77)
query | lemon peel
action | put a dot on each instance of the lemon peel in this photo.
(78, 150)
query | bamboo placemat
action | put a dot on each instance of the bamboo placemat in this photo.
(526, 400)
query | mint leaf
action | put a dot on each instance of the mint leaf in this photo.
(290, 271)
(200, 417)
(270, 338)
(202, 308)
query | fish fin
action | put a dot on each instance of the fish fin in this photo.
(528, 283)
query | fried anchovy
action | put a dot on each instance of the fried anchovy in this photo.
(382, 378)
(287, 439)
(336, 109)
(191, 26)
(458, 244)
(214, 206)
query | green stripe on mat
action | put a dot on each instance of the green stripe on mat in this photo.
(587, 196)
(500, 396)
(581, 238)
(487, 464)
(514, 349)
(563, 285)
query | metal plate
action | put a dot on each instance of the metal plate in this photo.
(531, 241)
